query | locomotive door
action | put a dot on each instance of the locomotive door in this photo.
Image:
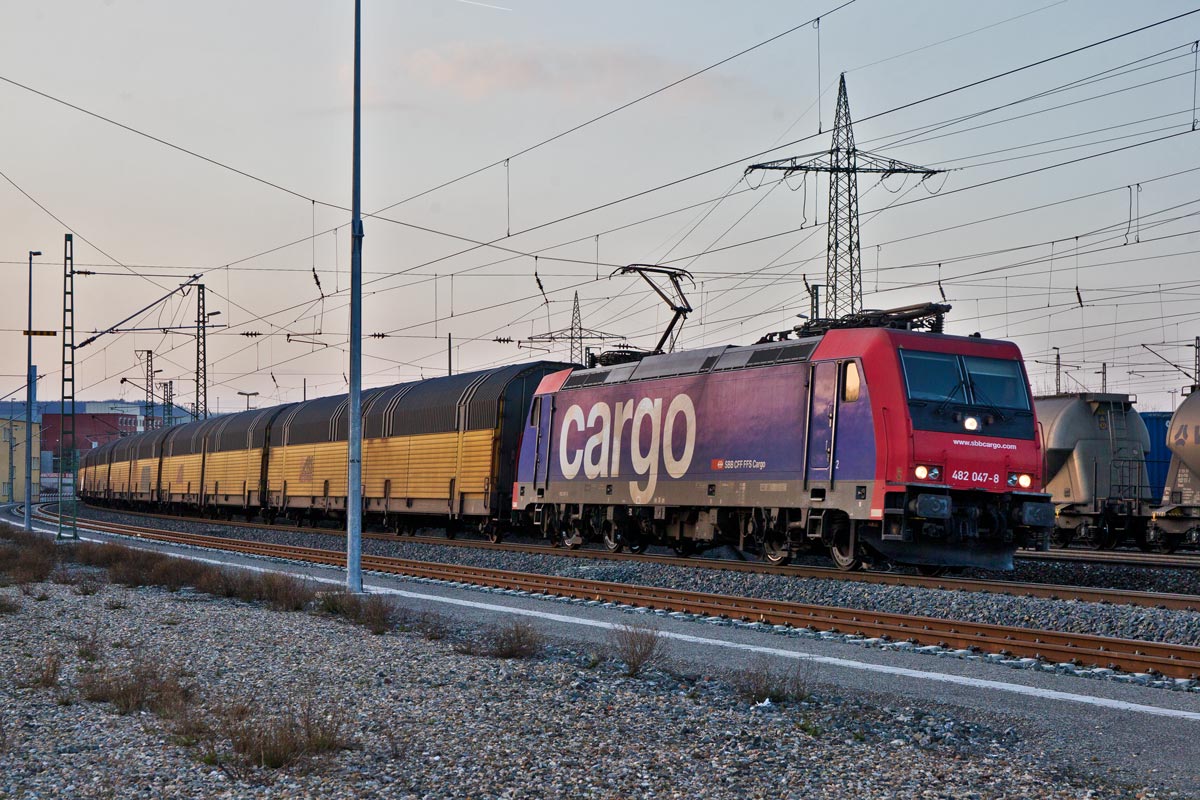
(543, 418)
(822, 394)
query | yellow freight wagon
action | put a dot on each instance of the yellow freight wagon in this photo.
(431, 448)
(233, 462)
(443, 448)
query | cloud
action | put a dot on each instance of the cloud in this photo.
(476, 71)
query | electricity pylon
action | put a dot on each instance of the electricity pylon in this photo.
(576, 334)
(843, 162)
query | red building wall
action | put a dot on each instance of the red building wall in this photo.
(90, 429)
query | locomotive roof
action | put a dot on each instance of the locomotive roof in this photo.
(693, 362)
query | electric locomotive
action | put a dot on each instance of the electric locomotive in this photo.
(864, 435)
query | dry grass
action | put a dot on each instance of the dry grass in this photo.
(87, 584)
(9, 605)
(90, 649)
(517, 638)
(764, 679)
(144, 685)
(637, 647)
(48, 671)
(285, 592)
(277, 741)
(432, 626)
(374, 612)
(229, 583)
(27, 558)
(131, 567)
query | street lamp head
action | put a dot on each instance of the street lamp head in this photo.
(33, 253)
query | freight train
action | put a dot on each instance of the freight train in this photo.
(865, 436)
(1106, 486)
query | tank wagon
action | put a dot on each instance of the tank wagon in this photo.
(1177, 519)
(878, 443)
(443, 447)
(1095, 447)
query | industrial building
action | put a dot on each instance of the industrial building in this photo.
(12, 460)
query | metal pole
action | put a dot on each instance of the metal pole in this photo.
(31, 380)
(449, 355)
(354, 443)
(1057, 370)
(31, 398)
(12, 458)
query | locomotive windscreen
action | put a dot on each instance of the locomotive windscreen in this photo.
(949, 378)
(933, 376)
(997, 382)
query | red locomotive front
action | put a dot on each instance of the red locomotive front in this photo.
(960, 459)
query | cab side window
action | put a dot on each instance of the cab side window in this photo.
(535, 412)
(851, 382)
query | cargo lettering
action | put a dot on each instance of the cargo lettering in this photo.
(600, 455)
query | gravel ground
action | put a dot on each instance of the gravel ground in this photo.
(426, 721)
(1129, 622)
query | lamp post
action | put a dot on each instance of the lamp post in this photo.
(248, 395)
(30, 381)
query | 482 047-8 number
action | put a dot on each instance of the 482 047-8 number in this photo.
(974, 477)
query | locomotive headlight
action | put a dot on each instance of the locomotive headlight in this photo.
(971, 423)
(1021, 479)
(922, 472)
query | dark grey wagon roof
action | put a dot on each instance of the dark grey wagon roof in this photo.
(470, 401)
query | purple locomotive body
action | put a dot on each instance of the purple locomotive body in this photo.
(641, 452)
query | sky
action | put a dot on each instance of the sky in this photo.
(510, 162)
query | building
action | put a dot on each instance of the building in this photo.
(96, 423)
(12, 460)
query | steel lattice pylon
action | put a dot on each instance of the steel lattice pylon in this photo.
(843, 162)
(68, 449)
(576, 334)
(843, 268)
(201, 355)
(150, 389)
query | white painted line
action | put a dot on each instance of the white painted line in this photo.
(885, 669)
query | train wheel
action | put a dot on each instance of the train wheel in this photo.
(1062, 537)
(1168, 545)
(775, 549)
(612, 540)
(492, 531)
(684, 548)
(638, 545)
(843, 548)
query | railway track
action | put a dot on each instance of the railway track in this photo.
(1125, 557)
(1129, 655)
(1179, 602)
